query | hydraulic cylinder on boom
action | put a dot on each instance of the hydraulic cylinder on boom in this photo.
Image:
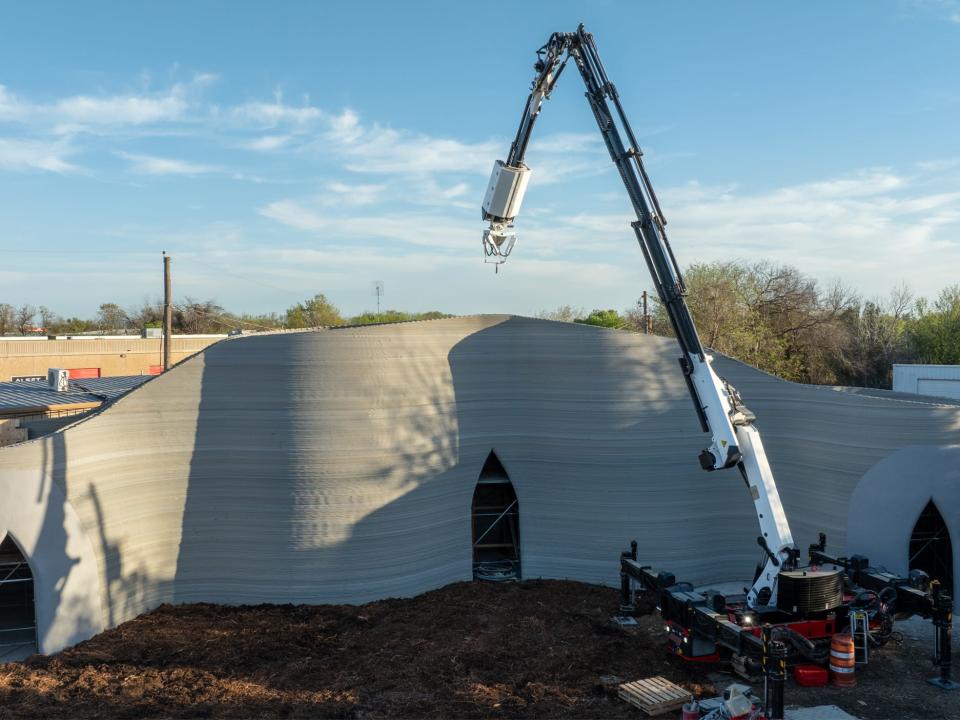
(735, 441)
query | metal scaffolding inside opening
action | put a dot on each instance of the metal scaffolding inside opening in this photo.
(496, 524)
(18, 625)
(931, 548)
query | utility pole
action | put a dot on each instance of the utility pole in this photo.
(167, 312)
(378, 291)
(646, 316)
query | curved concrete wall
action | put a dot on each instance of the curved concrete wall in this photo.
(66, 578)
(339, 466)
(887, 502)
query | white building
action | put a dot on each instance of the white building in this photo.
(937, 380)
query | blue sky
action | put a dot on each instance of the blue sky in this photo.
(276, 150)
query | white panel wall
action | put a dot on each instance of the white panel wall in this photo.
(933, 380)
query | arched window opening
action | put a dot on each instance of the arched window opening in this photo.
(931, 548)
(496, 524)
(18, 624)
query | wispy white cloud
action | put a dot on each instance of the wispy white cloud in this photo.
(340, 194)
(429, 229)
(946, 9)
(427, 165)
(275, 114)
(153, 165)
(267, 142)
(345, 127)
(428, 191)
(862, 226)
(378, 149)
(940, 165)
(11, 107)
(387, 192)
(74, 113)
(866, 227)
(119, 109)
(19, 154)
(384, 150)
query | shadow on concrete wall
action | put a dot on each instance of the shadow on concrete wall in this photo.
(318, 478)
(61, 619)
(299, 492)
(126, 589)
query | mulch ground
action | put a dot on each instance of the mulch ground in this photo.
(540, 649)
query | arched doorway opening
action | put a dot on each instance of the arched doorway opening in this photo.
(495, 516)
(931, 548)
(18, 619)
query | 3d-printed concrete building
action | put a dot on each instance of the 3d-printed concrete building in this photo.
(353, 464)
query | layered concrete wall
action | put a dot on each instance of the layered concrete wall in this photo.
(889, 498)
(339, 466)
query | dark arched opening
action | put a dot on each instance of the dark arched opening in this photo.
(931, 548)
(18, 623)
(496, 524)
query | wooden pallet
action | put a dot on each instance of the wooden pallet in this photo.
(655, 695)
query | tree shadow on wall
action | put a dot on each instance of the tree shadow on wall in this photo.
(339, 466)
(68, 619)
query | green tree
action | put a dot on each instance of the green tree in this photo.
(111, 318)
(386, 316)
(266, 321)
(149, 314)
(23, 319)
(393, 316)
(564, 313)
(767, 315)
(74, 326)
(602, 318)
(934, 334)
(877, 337)
(315, 312)
(196, 317)
(48, 319)
(7, 318)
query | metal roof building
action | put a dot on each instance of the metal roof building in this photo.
(35, 398)
(933, 380)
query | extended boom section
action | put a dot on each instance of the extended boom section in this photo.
(735, 442)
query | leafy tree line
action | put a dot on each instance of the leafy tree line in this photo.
(783, 322)
(191, 316)
(770, 316)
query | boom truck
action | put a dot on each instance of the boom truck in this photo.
(791, 611)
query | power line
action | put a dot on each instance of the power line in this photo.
(191, 308)
(147, 253)
(88, 253)
(245, 278)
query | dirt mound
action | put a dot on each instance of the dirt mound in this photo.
(531, 650)
(535, 649)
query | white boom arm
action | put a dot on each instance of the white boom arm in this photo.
(735, 440)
